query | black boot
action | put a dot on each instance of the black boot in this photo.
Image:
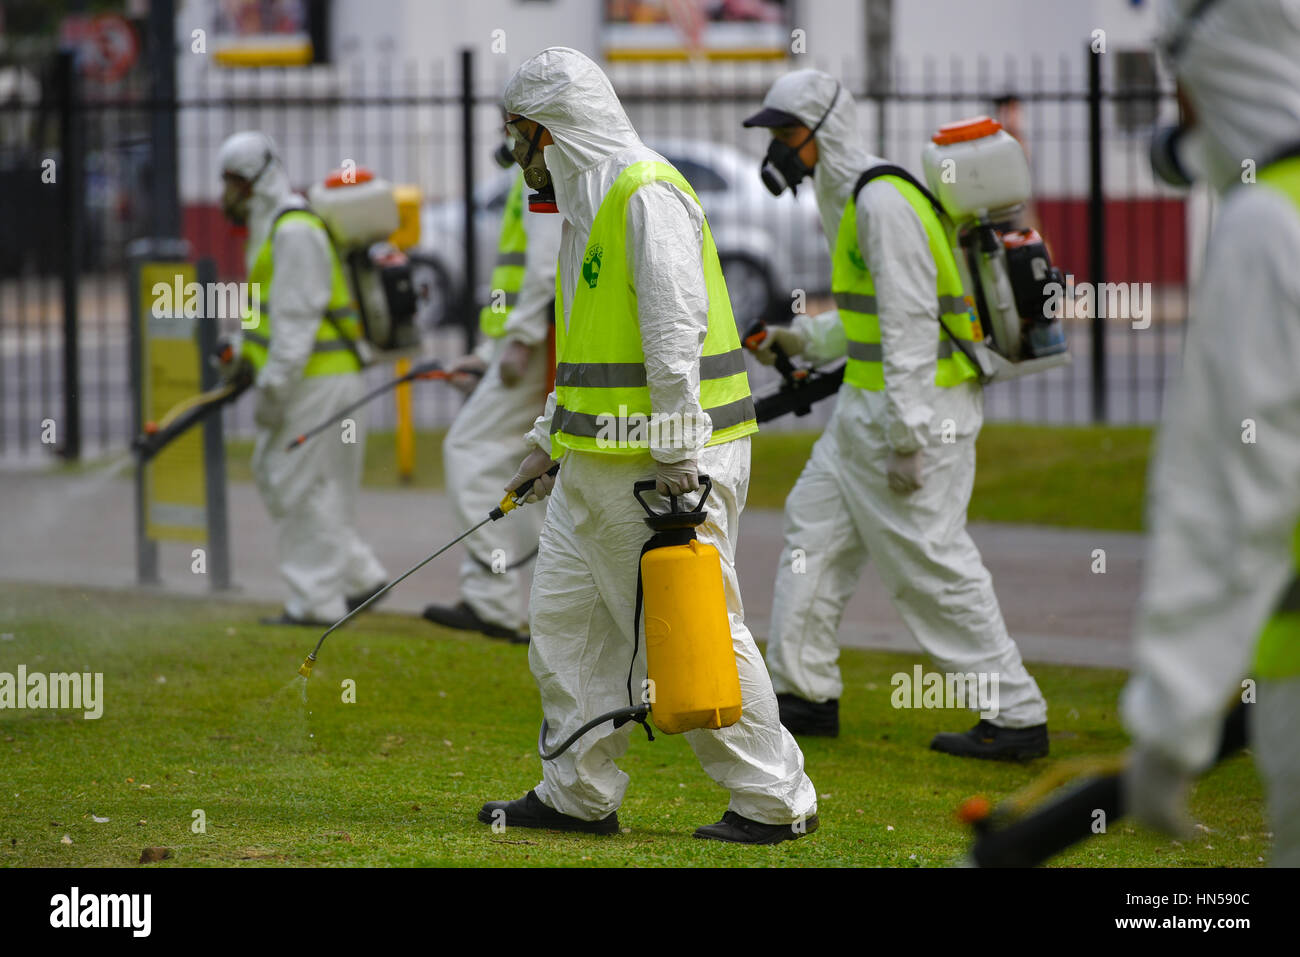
(529, 811)
(356, 601)
(741, 830)
(987, 740)
(463, 618)
(817, 718)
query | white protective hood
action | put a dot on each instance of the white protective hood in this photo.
(841, 158)
(245, 154)
(567, 93)
(1240, 65)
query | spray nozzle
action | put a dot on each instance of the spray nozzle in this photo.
(305, 668)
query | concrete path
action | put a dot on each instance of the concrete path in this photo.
(80, 530)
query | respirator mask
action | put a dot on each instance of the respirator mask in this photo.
(1176, 151)
(536, 176)
(237, 193)
(782, 168)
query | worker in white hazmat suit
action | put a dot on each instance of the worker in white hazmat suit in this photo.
(298, 341)
(636, 267)
(891, 476)
(485, 443)
(1221, 597)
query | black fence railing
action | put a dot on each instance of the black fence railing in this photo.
(63, 285)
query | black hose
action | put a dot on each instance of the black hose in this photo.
(631, 713)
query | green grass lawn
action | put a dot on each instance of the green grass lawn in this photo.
(1077, 476)
(203, 711)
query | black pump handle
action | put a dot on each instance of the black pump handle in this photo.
(648, 485)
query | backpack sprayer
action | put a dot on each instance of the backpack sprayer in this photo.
(979, 181)
(363, 217)
(512, 501)
(425, 370)
(1016, 833)
(691, 676)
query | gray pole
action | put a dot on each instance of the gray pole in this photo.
(880, 53)
(214, 446)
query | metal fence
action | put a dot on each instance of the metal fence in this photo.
(63, 285)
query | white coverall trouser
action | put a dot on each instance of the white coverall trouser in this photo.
(587, 572)
(481, 452)
(841, 512)
(310, 494)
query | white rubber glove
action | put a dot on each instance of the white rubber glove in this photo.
(1155, 792)
(791, 342)
(514, 362)
(466, 373)
(904, 471)
(269, 410)
(534, 465)
(676, 478)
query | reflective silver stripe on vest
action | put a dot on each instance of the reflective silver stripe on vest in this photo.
(631, 375)
(590, 426)
(865, 351)
(510, 259)
(856, 302)
(872, 351)
(863, 302)
(330, 345)
(341, 312)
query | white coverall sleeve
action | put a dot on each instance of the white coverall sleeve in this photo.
(530, 320)
(897, 251)
(823, 336)
(540, 434)
(1222, 507)
(299, 295)
(665, 239)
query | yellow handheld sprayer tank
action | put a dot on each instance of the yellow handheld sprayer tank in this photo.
(690, 663)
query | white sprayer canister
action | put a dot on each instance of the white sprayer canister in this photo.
(976, 169)
(359, 209)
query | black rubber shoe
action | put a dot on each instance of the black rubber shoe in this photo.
(463, 618)
(356, 601)
(987, 740)
(284, 618)
(529, 811)
(816, 718)
(741, 830)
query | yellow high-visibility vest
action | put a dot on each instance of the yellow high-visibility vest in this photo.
(855, 298)
(332, 353)
(602, 400)
(508, 273)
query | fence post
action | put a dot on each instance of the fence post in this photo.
(469, 316)
(162, 120)
(71, 214)
(1096, 234)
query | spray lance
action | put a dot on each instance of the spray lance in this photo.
(188, 412)
(425, 370)
(508, 504)
(800, 388)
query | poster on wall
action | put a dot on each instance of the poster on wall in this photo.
(249, 33)
(688, 29)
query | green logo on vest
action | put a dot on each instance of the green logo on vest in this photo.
(855, 257)
(591, 266)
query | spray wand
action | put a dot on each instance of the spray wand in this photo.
(512, 501)
(425, 370)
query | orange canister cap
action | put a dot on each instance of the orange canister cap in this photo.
(972, 129)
